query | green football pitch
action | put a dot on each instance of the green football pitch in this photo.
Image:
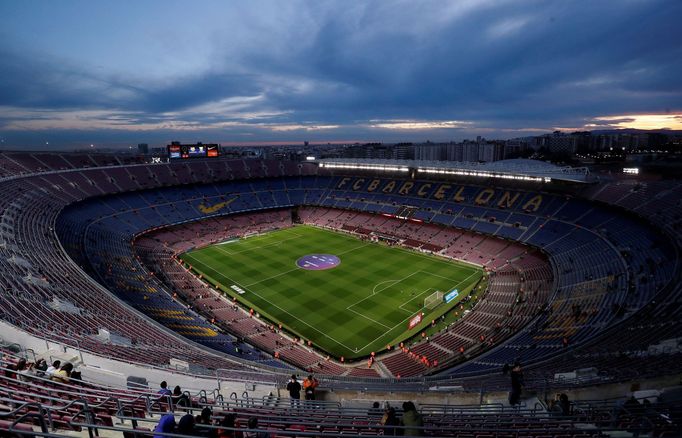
(361, 305)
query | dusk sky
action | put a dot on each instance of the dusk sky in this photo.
(123, 72)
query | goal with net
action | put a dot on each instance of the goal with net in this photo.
(433, 300)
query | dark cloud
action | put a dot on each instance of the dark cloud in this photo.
(187, 92)
(34, 81)
(538, 70)
(500, 65)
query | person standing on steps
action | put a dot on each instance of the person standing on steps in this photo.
(516, 384)
(294, 389)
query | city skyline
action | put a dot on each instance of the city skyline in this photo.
(79, 73)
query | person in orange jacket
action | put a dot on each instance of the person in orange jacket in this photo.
(309, 386)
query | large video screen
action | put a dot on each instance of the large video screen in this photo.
(174, 151)
(183, 151)
(196, 151)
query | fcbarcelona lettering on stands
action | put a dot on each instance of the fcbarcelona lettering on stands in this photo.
(445, 192)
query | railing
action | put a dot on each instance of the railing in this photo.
(293, 413)
(17, 417)
(474, 384)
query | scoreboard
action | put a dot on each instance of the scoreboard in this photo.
(185, 151)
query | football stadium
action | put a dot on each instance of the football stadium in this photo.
(341, 218)
(388, 280)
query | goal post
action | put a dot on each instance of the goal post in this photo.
(433, 300)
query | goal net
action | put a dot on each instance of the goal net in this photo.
(433, 300)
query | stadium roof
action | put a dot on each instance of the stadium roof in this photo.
(516, 169)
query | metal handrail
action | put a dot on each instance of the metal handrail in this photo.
(359, 425)
(65, 388)
(39, 415)
(512, 415)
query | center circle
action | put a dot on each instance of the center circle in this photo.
(318, 262)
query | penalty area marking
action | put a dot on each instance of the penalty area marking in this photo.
(414, 298)
(374, 289)
(371, 319)
(400, 307)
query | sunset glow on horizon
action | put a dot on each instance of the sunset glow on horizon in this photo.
(642, 121)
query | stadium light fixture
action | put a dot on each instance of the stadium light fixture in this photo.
(365, 167)
(485, 174)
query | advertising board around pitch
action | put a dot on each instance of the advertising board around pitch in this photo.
(451, 296)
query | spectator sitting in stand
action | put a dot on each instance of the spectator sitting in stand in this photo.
(560, 406)
(76, 376)
(205, 416)
(40, 367)
(52, 368)
(228, 422)
(63, 375)
(180, 398)
(630, 408)
(186, 425)
(565, 405)
(17, 370)
(164, 389)
(166, 425)
(205, 419)
(253, 424)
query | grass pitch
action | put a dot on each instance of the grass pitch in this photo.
(351, 310)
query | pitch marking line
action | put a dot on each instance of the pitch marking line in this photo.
(439, 276)
(390, 329)
(277, 243)
(380, 336)
(297, 268)
(353, 249)
(283, 310)
(440, 259)
(270, 278)
(393, 283)
(284, 273)
(374, 291)
(403, 321)
(367, 317)
(414, 298)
